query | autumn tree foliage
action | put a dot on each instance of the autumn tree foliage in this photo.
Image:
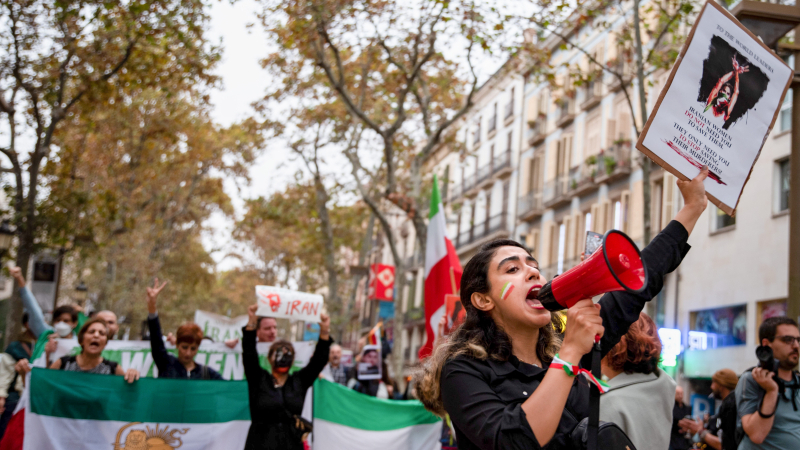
(56, 57)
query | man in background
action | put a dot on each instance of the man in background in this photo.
(720, 432)
(677, 438)
(111, 320)
(335, 371)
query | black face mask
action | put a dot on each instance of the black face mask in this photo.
(284, 358)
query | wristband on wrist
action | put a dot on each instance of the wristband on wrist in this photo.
(574, 370)
(766, 416)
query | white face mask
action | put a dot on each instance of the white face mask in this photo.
(63, 329)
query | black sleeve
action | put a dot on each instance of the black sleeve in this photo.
(480, 414)
(319, 359)
(252, 370)
(620, 309)
(157, 348)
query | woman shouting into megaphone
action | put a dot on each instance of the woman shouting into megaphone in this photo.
(504, 376)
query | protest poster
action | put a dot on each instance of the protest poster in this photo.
(718, 106)
(287, 304)
(369, 368)
(220, 328)
(227, 361)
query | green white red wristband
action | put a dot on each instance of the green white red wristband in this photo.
(573, 370)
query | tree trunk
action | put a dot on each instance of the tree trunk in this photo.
(327, 235)
(643, 109)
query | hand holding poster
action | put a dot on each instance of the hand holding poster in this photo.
(286, 304)
(718, 107)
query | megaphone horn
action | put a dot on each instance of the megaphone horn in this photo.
(616, 266)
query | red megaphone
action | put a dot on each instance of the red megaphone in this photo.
(615, 266)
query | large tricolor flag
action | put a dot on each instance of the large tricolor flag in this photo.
(346, 419)
(442, 269)
(70, 410)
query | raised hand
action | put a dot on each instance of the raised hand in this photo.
(252, 318)
(22, 367)
(16, 273)
(152, 295)
(324, 326)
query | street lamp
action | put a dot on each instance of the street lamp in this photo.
(771, 22)
(6, 236)
(81, 292)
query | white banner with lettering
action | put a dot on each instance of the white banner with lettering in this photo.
(220, 328)
(287, 304)
(226, 361)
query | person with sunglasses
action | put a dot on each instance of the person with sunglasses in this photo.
(276, 396)
(768, 403)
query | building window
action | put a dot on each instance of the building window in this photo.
(721, 220)
(782, 173)
(786, 112)
(562, 243)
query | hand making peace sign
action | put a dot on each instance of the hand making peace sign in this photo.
(152, 295)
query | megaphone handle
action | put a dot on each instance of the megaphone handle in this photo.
(594, 399)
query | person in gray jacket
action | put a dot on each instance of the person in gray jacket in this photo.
(640, 395)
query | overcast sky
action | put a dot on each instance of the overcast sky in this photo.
(243, 82)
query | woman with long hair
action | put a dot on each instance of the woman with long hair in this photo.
(276, 397)
(492, 375)
(640, 396)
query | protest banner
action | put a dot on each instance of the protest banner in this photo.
(220, 328)
(70, 410)
(287, 304)
(718, 106)
(226, 361)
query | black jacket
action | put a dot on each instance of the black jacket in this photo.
(484, 397)
(271, 408)
(168, 365)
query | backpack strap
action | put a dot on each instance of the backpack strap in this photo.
(594, 401)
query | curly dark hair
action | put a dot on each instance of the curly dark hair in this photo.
(479, 336)
(639, 350)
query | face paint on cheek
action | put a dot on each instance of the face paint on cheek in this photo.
(507, 289)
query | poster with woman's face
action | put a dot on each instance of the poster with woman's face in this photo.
(718, 108)
(369, 368)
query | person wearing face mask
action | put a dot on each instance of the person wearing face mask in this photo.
(188, 338)
(276, 399)
(92, 337)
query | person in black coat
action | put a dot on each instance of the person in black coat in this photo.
(189, 337)
(276, 399)
(494, 376)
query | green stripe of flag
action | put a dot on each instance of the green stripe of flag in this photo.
(338, 404)
(436, 197)
(107, 397)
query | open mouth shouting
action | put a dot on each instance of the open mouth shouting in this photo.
(532, 299)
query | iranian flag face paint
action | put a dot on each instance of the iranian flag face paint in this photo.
(507, 289)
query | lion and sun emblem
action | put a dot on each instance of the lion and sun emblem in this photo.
(149, 438)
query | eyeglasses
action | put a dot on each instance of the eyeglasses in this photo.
(789, 340)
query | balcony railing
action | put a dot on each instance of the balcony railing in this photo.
(483, 173)
(566, 111)
(481, 230)
(592, 94)
(530, 204)
(536, 131)
(555, 190)
(581, 179)
(502, 161)
(456, 191)
(614, 162)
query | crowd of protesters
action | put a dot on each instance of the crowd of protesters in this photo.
(493, 389)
